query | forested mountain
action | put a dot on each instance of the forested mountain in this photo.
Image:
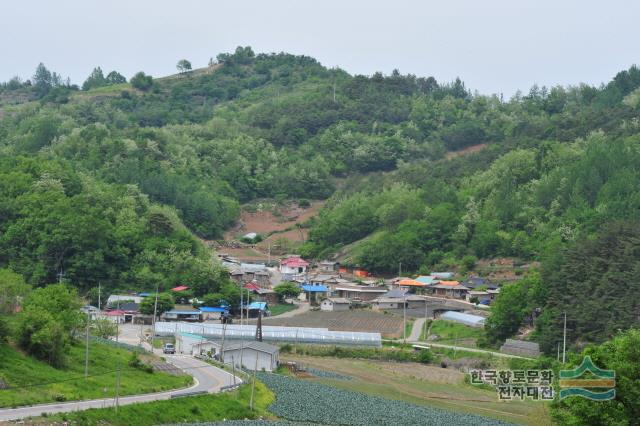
(97, 183)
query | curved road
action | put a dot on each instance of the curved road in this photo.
(207, 378)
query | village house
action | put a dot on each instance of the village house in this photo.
(313, 293)
(116, 316)
(189, 315)
(292, 266)
(382, 303)
(267, 295)
(335, 304)
(359, 292)
(450, 289)
(328, 266)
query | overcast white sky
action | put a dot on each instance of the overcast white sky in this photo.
(495, 46)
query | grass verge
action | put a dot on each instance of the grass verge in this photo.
(281, 308)
(30, 381)
(201, 408)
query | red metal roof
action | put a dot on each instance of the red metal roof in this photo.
(252, 287)
(294, 262)
(114, 313)
(180, 288)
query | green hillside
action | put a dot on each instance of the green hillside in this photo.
(108, 184)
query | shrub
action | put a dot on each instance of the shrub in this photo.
(141, 81)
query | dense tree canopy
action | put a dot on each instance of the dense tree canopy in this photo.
(107, 185)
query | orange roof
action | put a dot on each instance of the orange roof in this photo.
(449, 282)
(410, 282)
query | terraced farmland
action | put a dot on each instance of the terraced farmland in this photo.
(389, 326)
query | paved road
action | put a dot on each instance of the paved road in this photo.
(207, 378)
(418, 325)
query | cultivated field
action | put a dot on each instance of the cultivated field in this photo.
(424, 385)
(367, 321)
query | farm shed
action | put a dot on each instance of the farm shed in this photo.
(335, 304)
(250, 355)
(521, 348)
(466, 319)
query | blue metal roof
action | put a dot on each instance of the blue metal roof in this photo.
(315, 288)
(425, 279)
(212, 309)
(146, 294)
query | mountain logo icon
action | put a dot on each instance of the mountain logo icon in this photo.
(598, 385)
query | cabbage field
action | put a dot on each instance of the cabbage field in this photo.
(306, 401)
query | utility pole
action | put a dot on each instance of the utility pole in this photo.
(86, 349)
(425, 319)
(224, 331)
(118, 320)
(117, 399)
(155, 310)
(253, 385)
(558, 358)
(564, 338)
(233, 369)
(99, 300)
(400, 269)
(404, 318)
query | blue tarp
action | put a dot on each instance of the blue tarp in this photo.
(258, 305)
(315, 288)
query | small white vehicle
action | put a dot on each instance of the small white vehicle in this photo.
(169, 348)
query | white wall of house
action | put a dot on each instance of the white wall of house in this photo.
(328, 305)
